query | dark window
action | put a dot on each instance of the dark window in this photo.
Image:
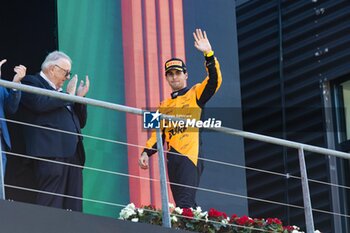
(341, 93)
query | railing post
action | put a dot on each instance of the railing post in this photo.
(2, 171)
(163, 184)
(310, 228)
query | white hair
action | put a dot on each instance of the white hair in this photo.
(53, 57)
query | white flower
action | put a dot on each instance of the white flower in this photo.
(171, 206)
(317, 231)
(198, 212)
(173, 218)
(204, 214)
(178, 210)
(135, 220)
(297, 231)
(140, 211)
(224, 221)
(127, 211)
(131, 206)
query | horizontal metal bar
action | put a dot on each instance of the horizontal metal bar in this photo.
(225, 130)
(72, 98)
(282, 142)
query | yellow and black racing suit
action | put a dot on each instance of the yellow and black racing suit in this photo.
(183, 143)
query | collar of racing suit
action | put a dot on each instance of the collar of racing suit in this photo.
(179, 92)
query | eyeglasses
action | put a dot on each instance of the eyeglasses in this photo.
(68, 73)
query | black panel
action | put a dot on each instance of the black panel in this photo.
(284, 99)
(28, 34)
(258, 42)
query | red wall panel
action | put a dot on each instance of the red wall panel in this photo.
(135, 95)
(152, 33)
(152, 86)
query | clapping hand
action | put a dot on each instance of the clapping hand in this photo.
(72, 85)
(83, 88)
(20, 73)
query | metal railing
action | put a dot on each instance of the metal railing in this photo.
(2, 171)
(164, 192)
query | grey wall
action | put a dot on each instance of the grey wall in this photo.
(218, 19)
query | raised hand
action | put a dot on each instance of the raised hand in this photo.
(1, 63)
(83, 88)
(72, 85)
(201, 41)
(20, 73)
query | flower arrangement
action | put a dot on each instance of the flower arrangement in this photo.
(212, 221)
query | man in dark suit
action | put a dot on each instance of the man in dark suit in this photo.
(58, 179)
(9, 100)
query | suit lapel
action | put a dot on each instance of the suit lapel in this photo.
(45, 83)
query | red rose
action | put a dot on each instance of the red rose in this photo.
(274, 221)
(187, 212)
(216, 214)
(288, 228)
(245, 220)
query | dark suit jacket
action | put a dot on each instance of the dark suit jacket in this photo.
(53, 113)
(9, 101)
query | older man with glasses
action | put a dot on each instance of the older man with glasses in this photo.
(55, 179)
